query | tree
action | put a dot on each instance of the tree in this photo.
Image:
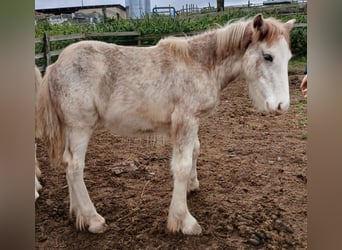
(220, 5)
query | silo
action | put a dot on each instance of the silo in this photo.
(138, 8)
(147, 6)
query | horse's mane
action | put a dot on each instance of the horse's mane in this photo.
(229, 38)
(178, 46)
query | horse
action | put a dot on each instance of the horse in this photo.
(160, 90)
(37, 83)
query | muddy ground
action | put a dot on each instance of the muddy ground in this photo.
(253, 185)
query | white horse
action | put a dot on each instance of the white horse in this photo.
(163, 89)
(37, 84)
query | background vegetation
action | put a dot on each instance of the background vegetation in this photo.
(153, 28)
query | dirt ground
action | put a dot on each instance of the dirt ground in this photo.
(253, 184)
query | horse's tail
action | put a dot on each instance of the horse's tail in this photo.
(49, 121)
(38, 79)
(37, 83)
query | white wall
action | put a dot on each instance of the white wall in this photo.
(52, 4)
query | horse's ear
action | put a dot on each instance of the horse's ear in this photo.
(256, 29)
(289, 24)
(259, 27)
(258, 22)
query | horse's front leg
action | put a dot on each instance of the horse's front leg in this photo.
(184, 133)
(193, 184)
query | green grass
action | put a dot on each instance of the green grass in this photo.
(153, 28)
(303, 123)
(156, 24)
(304, 136)
(297, 64)
(299, 106)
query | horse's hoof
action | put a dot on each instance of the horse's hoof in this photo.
(191, 226)
(194, 230)
(97, 225)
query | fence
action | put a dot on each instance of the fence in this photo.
(47, 53)
(138, 40)
(128, 38)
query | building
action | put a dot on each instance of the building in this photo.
(270, 2)
(98, 8)
(110, 11)
(138, 8)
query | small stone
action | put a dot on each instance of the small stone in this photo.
(289, 229)
(279, 158)
(253, 241)
(254, 236)
(49, 202)
(271, 162)
(133, 166)
(140, 236)
(278, 225)
(124, 167)
(230, 228)
(260, 235)
(118, 170)
(42, 238)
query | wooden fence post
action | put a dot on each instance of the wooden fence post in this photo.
(47, 48)
(139, 40)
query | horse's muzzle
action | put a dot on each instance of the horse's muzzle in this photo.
(280, 107)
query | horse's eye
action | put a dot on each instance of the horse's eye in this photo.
(268, 57)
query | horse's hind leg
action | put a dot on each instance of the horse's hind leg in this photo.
(193, 182)
(184, 133)
(80, 203)
(36, 175)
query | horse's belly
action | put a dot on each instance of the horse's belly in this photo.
(129, 130)
(135, 124)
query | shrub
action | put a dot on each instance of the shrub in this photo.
(152, 28)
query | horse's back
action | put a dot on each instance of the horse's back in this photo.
(75, 79)
(126, 86)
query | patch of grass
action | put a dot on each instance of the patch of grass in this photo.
(299, 107)
(303, 123)
(304, 136)
(297, 64)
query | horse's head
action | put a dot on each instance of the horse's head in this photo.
(265, 63)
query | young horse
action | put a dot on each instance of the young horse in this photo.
(37, 83)
(163, 89)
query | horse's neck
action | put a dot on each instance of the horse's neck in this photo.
(228, 70)
(203, 49)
